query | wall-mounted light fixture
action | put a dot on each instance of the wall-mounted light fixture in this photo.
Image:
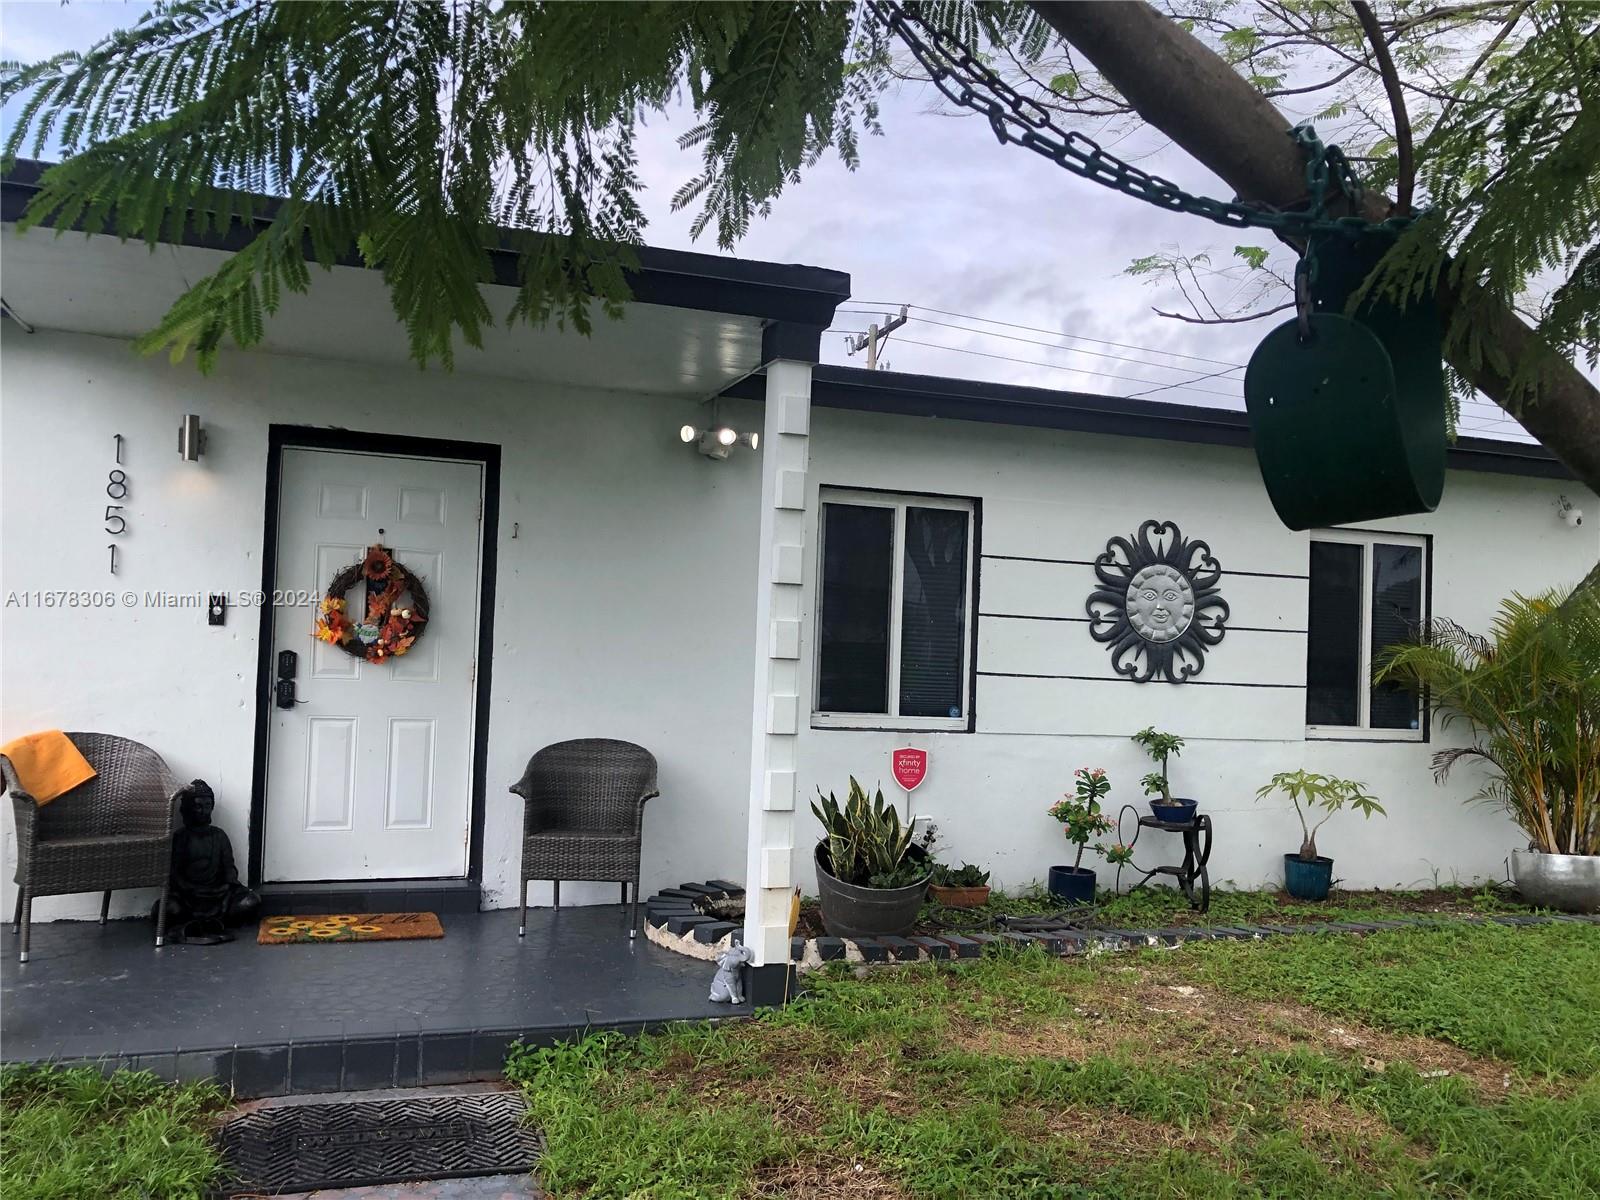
(1570, 514)
(191, 438)
(718, 442)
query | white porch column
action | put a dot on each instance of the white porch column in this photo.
(776, 711)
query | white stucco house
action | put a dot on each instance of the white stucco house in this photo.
(901, 561)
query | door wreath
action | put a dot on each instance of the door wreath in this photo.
(389, 626)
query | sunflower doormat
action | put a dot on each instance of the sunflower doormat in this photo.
(349, 927)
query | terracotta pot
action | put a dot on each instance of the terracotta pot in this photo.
(959, 897)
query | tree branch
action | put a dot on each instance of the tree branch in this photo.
(1266, 312)
(1188, 92)
(1406, 177)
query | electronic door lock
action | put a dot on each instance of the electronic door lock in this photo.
(283, 690)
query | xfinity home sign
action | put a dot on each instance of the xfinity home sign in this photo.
(909, 767)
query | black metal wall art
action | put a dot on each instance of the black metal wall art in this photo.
(1157, 604)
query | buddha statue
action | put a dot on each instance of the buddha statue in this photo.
(204, 896)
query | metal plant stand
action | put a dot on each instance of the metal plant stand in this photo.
(1196, 853)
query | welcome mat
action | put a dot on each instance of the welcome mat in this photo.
(349, 927)
(288, 1147)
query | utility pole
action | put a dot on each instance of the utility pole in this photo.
(876, 333)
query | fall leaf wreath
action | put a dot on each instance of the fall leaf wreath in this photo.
(389, 626)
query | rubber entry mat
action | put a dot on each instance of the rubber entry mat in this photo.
(302, 1147)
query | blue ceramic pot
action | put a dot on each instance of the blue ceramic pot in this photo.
(1075, 885)
(1179, 811)
(1307, 880)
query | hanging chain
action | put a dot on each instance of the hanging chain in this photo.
(968, 83)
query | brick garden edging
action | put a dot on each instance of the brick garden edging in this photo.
(676, 919)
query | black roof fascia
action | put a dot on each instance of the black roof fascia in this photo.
(1086, 412)
(772, 292)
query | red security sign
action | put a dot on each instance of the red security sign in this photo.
(910, 767)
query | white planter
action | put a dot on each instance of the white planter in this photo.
(1569, 882)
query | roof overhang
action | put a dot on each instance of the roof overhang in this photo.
(1085, 412)
(695, 324)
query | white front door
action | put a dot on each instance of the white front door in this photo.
(369, 775)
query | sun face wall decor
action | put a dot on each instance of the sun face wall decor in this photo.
(1157, 604)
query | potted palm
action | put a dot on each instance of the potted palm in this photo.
(1529, 694)
(1308, 875)
(871, 878)
(1082, 822)
(1160, 747)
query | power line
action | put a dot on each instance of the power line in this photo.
(1178, 384)
(905, 341)
(1227, 367)
(1077, 337)
(1011, 337)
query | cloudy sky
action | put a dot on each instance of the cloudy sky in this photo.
(1013, 268)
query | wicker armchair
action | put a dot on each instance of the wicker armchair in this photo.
(584, 816)
(115, 831)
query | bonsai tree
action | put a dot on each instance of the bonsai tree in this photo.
(1313, 791)
(867, 844)
(1159, 746)
(1530, 693)
(1079, 813)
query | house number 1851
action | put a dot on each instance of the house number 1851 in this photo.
(116, 489)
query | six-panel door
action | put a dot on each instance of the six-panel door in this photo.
(369, 774)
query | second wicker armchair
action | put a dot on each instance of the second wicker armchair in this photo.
(584, 816)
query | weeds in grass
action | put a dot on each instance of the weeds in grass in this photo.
(76, 1134)
(1527, 995)
(1023, 1076)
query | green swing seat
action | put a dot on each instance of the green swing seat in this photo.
(1349, 421)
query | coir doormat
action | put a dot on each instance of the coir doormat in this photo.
(357, 1143)
(349, 927)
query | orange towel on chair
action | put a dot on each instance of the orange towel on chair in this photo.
(47, 764)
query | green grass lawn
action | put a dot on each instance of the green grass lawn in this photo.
(1459, 1061)
(76, 1135)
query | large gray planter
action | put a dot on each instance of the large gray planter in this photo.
(1569, 882)
(851, 911)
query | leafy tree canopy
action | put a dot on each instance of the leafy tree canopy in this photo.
(420, 133)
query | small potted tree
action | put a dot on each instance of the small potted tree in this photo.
(1308, 875)
(1164, 806)
(1082, 822)
(871, 877)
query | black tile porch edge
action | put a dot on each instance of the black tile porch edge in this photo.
(309, 1067)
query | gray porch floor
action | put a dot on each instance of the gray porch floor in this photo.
(271, 1020)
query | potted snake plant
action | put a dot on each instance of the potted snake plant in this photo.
(871, 877)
